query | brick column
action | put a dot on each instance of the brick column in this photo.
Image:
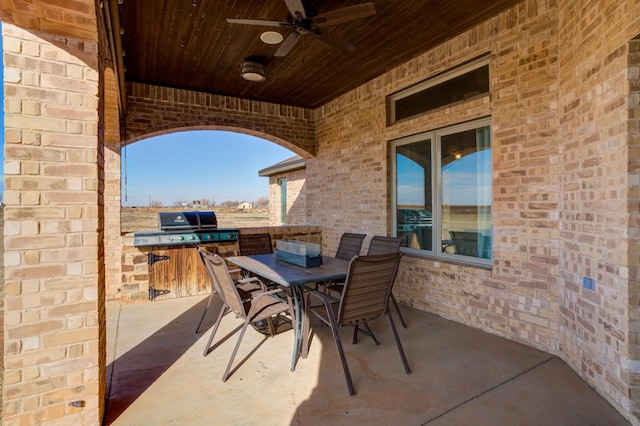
(54, 356)
(112, 198)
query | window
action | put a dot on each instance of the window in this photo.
(283, 200)
(468, 81)
(442, 192)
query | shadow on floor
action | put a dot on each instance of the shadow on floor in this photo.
(136, 368)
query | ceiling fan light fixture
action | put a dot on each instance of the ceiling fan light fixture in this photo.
(271, 37)
(252, 71)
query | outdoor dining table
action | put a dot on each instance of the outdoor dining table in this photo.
(293, 277)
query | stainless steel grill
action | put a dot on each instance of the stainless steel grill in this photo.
(196, 220)
(185, 228)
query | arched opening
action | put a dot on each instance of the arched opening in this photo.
(214, 167)
(180, 171)
(186, 171)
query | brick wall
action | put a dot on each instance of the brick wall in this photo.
(563, 198)
(153, 111)
(297, 212)
(52, 214)
(634, 231)
(598, 215)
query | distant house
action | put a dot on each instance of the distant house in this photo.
(195, 203)
(287, 191)
(245, 205)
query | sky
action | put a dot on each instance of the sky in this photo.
(193, 165)
(461, 187)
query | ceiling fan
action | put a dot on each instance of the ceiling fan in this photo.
(308, 22)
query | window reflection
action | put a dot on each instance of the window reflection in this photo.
(443, 192)
(414, 195)
(466, 193)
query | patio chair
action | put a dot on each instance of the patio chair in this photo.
(365, 298)
(382, 245)
(377, 245)
(251, 244)
(350, 245)
(262, 305)
(245, 286)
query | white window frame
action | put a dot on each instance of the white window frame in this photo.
(436, 179)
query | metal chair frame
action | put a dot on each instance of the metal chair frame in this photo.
(365, 297)
(381, 245)
(246, 287)
(262, 305)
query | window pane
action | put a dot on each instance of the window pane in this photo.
(283, 200)
(463, 87)
(466, 193)
(414, 199)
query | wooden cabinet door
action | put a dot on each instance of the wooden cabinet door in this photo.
(182, 274)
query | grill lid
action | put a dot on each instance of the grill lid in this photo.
(195, 220)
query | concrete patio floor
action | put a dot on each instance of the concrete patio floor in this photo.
(157, 375)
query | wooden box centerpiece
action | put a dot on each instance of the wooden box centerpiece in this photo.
(299, 253)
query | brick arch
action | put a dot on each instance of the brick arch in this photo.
(75, 21)
(185, 127)
(154, 110)
(111, 193)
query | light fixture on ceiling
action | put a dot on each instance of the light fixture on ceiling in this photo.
(252, 71)
(271, 37)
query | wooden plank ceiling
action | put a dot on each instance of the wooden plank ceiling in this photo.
(188, 44)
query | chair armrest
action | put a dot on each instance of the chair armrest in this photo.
(252, 280)
(326, 299)
(248, 280)
(257, 296)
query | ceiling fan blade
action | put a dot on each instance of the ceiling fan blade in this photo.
(296, 8)
(287, 44)
(332, 41)
(263, 23)
(345, 14)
